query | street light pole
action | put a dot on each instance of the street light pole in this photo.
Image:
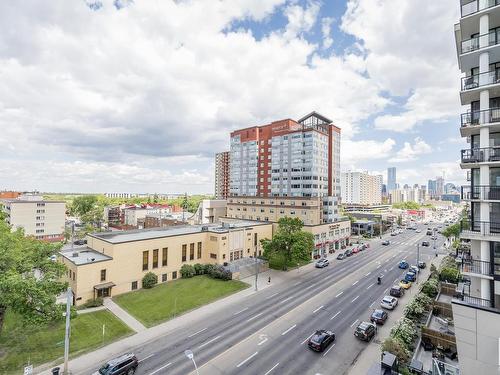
(418, 260)
(67, 331)
(190, 355)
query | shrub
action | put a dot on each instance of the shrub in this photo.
(187, 271)
(430, 287)
(405, 331)
(414, 310)
(199, 269)
(449, 274)
(396, 347)
(208, 268)
(424, 300)
(149, 280)
(93, 302)
(434, 271)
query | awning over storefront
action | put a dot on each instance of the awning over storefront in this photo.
(104, 286)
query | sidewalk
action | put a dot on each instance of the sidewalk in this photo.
(371, 354)
(124, 316)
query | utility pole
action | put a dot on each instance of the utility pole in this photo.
(256, 269)
(67, 331)
(418, 260)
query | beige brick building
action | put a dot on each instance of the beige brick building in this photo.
(115, 263)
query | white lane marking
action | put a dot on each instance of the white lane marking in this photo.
(390, 269)
(385, 291)
(373, 303)
(379, 266)
(319, 308)
(263, 341)
(394, 256)
(286, 299)
(161, 368)
(333, 317)
(330, 348)
(368, 274)
(239, 312)
(246, 360)
(200, 331)
(209, 342)
(149, 356)
(396, 279)
(272, 295)
(272, 368)
(355, 282)
(310, 286)
(387, 260)
(255, 316)
(303, 342)
(369, 286)
(354, 299)
(353, 323)
(288, 330)
(338, 295)
(383, 275)
(298, 283)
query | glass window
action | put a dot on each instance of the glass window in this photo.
(494, 176)
(164, 256)
(155, 258)
(145, 257)
(163, 277)
(103, 275)
(184, 252)
(198, 255)
(191, 251)
(174, 275)
(134, 285)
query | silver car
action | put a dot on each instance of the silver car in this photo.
(389, 302)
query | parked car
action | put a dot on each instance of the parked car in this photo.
(397, 291)
(414, 269)
(348, 253)
(405, 284)
(426, 243)
(355, 250)
(410, 276)
(378, 316)
(386, 242)
(429, 233)
(341, 256)
(322, 263)
(403, 264)
(394, 234)
(421, 264)
(80, 242)
(434, 238)
(125, 364)
(389, 302)
(320, 340)
(365, 331)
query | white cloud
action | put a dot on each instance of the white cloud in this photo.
(411, 152)
(326, 31)
(301, 19)
(353, 152)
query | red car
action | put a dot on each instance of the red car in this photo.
(355, 250)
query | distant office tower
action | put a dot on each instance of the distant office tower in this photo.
(222, 175)
(361, 188)
(439, 186)
(391, 178)
(431, 188)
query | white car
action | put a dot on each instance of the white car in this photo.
(418, 231)
(389, 302)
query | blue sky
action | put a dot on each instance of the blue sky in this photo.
(139, 97)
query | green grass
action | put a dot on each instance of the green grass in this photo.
(19, 344)
(165, 301)
(277, 263)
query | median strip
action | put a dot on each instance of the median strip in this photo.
(246, 360)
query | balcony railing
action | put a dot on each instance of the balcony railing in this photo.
(481, 192)
(476, 301)
(479, 155)
(480, 227)
(486, 116)
(476, 6)
(480, 267)
(479, 80)
(480, 41)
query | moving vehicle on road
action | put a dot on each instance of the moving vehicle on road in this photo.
(405, 284)
(434, 238)
(429, 233)
(403, 264)
(410, 276)
(365, 331)
(341, 256)
(418, 231)
(386, 243)
(389, 302)
(348, 253)
(322, 263)
(397, 291)
(124, 364)
(320, 340)
(426, 243)
(421, 264)
(379, 316)
(394, 234)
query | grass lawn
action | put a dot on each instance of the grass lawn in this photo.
(39, 345)
(164, 301)
(277, 262)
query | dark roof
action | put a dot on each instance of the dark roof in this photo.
(317, 115)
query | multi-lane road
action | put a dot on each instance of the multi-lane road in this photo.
(268, 331)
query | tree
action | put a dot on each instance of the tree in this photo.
(397, 348)
(83, 204)
(149, 280)
(290, 242)
(452, 231)
(30, 280)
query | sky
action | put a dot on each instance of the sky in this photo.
(137, 96)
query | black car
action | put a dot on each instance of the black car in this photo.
(426, 243)
(397, 291)
(348, 253)
(365, 331)
(80, 242)
(125, 364)
(378, 316)
(320, 340)
(341, 256)
(421, 264)
(386, 242)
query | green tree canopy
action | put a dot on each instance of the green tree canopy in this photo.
(452, 231)
(407, 205)
(289, 242)
(82, 205)
(29, 280)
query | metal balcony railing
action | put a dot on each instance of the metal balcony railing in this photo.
(479, 80)
(480, 227)
(480, 267)
(476, 301)
(478, 155)
(481, 192)
(474, 118)
(480, 41)
(476, 6)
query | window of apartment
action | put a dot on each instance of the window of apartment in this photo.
(103, 275)
(184, 252)
(163, 277)
(155, 258)
(164, 256)
(191, 251)
(198, 254)
(174, 275)
(145, 260)
(213, 256)
(134, 285)
(74, 276)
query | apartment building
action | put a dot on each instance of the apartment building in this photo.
(391, 178)
(477, 313)
(222, 175)
(361, 188)
(132, 215)
(209, 211)
(113, 263)
(39, 218)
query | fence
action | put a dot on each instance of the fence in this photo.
(439, 339)
(443, 309)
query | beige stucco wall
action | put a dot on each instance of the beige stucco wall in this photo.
(51, 215)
